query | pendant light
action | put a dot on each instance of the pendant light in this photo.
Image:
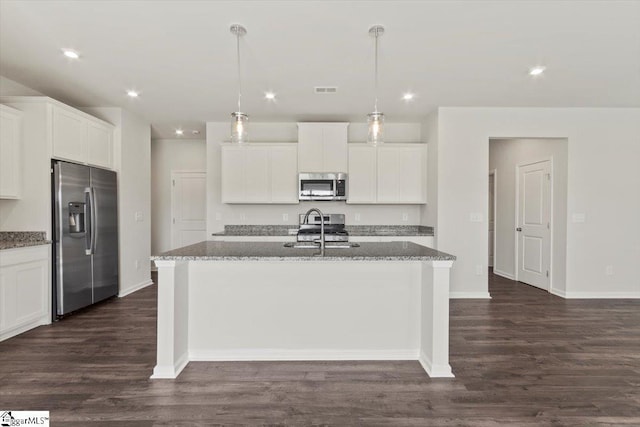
(375, 120)
(239, 119)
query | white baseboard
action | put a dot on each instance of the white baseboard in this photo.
(435, 371)
(503, 274)
(469, 295)
(25, 326)
(558, 293)
(169, 371)
(599, 295)
(299, 355)
(134, 288)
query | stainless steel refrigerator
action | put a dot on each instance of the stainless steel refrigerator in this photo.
(85, 236)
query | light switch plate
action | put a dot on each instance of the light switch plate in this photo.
(476, 217)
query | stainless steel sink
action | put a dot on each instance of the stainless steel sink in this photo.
(328, 245)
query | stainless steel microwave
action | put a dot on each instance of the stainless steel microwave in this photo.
(322, 186)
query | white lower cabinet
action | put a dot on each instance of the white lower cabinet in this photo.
(388, 174)
(259, 173)
(25, 291)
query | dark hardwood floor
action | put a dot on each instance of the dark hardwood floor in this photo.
(524, 358)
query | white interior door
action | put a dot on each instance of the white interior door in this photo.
(492, 222)
(534, 224)
(188, 207)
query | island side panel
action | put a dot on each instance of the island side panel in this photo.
(434, 334)
(172, 350)
(304, 310)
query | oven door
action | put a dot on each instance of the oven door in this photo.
(316, 189)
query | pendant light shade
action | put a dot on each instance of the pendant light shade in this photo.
(239, 120)
(375, 120)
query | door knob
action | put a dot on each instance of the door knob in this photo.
(519, 229)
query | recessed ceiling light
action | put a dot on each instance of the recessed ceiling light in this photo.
(270, 95)
(537, 70)
(179, 132)
(408, 96)
(70, 53)
(132, 94)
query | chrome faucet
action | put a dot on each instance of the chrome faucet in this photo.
(306, 221)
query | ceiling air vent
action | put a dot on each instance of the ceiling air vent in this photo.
(325, 89)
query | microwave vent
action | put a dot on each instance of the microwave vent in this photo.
(325, 89)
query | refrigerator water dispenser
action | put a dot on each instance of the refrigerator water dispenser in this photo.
(76, 217)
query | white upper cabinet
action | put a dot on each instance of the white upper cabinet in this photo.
(99, 145)
(322, 147)
(80, 138)
(259, 173)
(10, 153)
(362, 174)
(388, 174)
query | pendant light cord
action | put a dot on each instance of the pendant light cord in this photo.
(375, 105)
(239, 76)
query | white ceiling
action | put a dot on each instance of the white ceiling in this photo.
(181, 56)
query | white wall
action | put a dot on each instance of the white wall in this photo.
(603, 183)
(133, 162)
(10, 87)
(169, 155)
(504, 156)
(272, 214)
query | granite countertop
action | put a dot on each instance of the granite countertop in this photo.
(21, 239)
(354, 230)
(275, 251)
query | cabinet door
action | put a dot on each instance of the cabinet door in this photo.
(412, 181)
(69, 135)
(99, 145)
(233, 179)
(257, 182)
(334, 147)
(24, 290)
(310, 147)
(388, 174)
(402, 173)
(284, 174)
(10, 152)
(362, 174)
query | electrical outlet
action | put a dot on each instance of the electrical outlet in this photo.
(405, 216)
(218, 216)
(478, 270)
(357, 217)
(138, 217)
(243, 217)
(608, 270)
(136, 263)
(285, 217)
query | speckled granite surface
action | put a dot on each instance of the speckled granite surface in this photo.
(21, 239)
(275, 251)
(354, 230)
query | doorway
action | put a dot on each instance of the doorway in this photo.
(188, 208)
(530, 194)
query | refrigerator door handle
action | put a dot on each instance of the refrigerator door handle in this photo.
(90, 231)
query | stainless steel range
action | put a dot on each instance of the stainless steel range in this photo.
(333, 228)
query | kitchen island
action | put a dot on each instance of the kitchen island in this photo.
(224, 301)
